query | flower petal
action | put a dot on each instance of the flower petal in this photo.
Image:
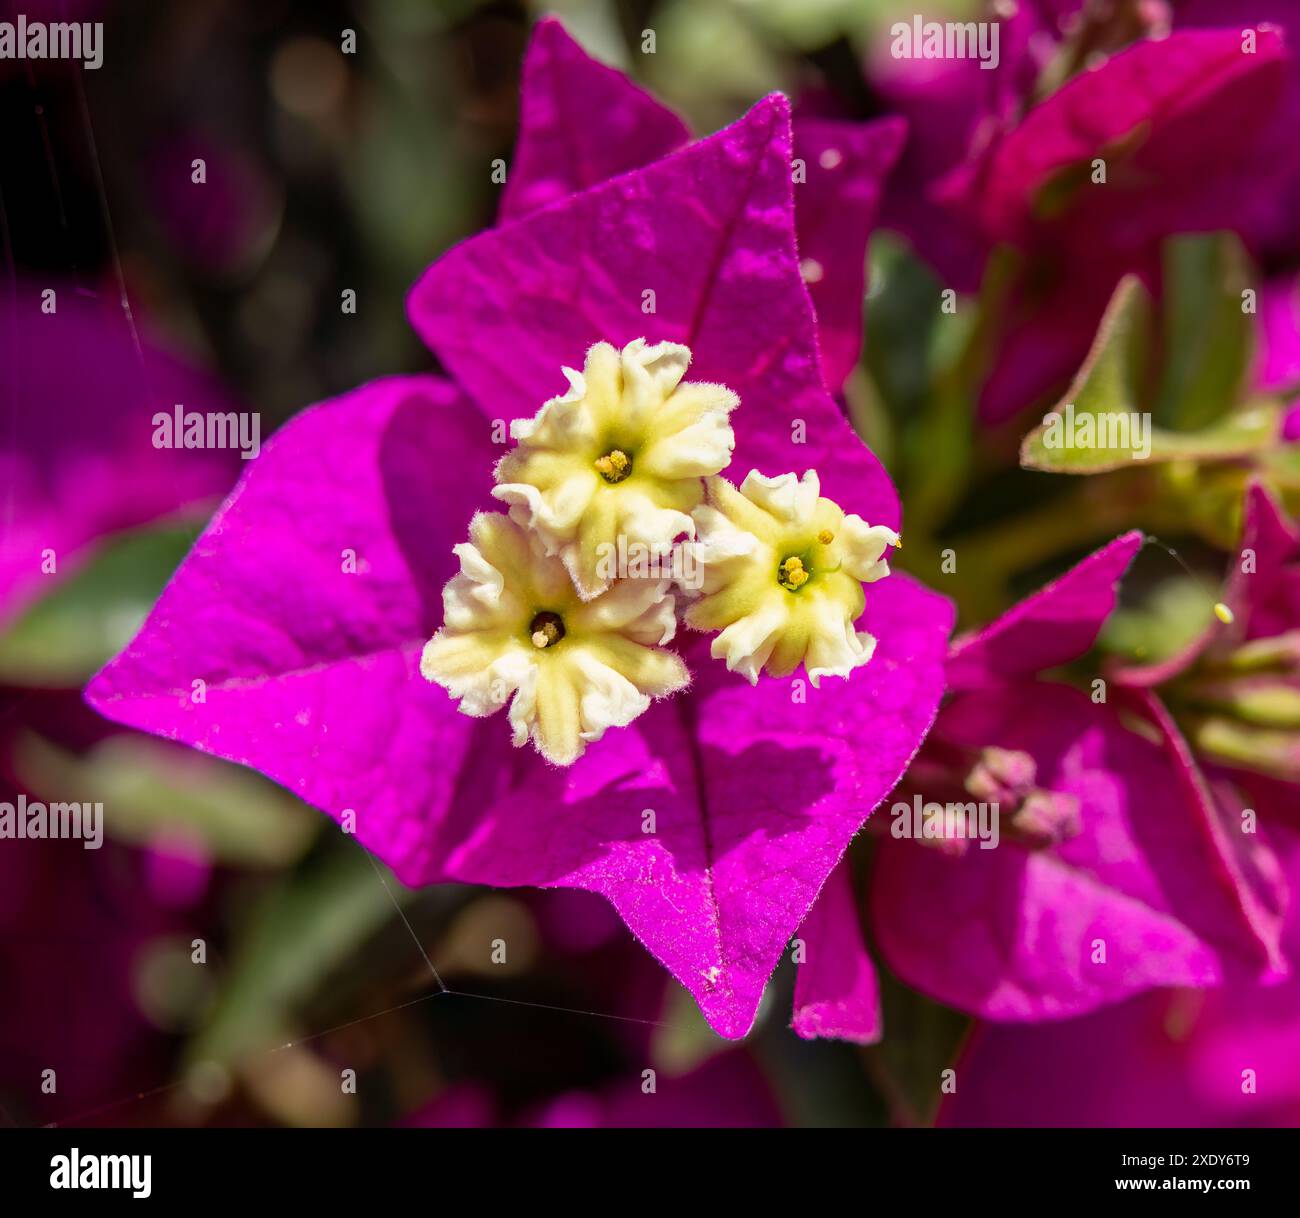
(835, 210)
(1171, 117)
(1266, 600)
(1054, 625)
(836, 993)
(1018, 934)
(76, 457)
(755, 794)
(580, 122)
(1169, 1059)
(699, 249)
(304, 606)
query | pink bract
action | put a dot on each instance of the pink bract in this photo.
(309, 669)
(583, 122)
(1156, 888)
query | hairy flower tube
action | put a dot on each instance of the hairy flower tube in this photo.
(783, 571)
(622, 454)
(515, 630)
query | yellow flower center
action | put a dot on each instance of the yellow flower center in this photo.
(793, 574)
(614, 466)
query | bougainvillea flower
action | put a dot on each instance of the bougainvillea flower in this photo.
(622, 454)
(290, 638)
(1194, 1058)
(571, 670)
(1114, 872)
(1175, 122)
(1269, 226)
(837, 991)
(1278, 362)
(582, 122)
(76, 457)
(783, 572)
(1235, 687)
(76, 466)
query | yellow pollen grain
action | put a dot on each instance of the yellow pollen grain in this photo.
(1223, 613)
(614, 464)
(793, 574)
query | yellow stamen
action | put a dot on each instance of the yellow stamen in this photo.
(826, 537)
(614, 465)
(1223, 613)
(793, 575)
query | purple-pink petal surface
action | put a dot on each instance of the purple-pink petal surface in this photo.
(1056, 624)
(836, 992)
(1170, 1058)
(583, 122)
(846, 165)
(580, 123)
(698, 248)
(289, 640)
(1141, 897)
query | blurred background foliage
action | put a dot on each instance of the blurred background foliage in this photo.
(332, 172)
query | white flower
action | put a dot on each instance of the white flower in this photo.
(623, 453)
(516, 631)
(783, 571)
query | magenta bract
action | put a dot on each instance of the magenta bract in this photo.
(303, 607)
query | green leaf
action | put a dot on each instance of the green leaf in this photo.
(1207, 337)
(1101, 424)
(91, 615)
(150, 789)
